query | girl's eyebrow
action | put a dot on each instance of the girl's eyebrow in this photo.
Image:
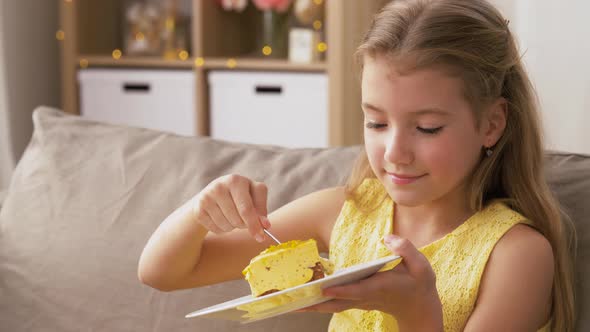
(435, 111)
(365, 105)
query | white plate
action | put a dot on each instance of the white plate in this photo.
(249, 309)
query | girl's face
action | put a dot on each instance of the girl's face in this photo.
(420, 132)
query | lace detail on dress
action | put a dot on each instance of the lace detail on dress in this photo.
(458, 259)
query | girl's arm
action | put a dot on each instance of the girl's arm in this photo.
(515, 291)
(183, 252)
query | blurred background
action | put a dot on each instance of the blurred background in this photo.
(190, 66)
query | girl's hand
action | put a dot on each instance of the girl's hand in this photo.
(407, 292)
(230, 202)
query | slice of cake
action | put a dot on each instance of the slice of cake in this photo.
(284, 266)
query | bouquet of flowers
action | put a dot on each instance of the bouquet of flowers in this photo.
(280, 6)
(274, 26)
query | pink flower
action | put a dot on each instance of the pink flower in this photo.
(278, 5)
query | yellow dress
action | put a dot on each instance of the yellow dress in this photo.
(458, 259)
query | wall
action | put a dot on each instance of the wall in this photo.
(553, 36)
(30, 69)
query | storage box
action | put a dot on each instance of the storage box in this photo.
(278, 108)
(155, 99)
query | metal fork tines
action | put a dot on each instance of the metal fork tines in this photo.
(271, 236)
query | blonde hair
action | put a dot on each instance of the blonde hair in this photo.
(471, 38)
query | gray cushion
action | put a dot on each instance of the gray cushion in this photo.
(85, 198)
(569, 178)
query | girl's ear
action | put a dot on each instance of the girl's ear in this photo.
(495, 122)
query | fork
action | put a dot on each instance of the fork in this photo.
(271, 236)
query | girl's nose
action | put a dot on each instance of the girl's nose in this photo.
(398, 151)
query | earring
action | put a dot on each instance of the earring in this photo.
(489, 152)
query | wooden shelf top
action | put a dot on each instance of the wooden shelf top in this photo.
(206, 63)
(262, 64)
(129, 61)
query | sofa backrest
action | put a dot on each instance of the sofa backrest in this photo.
(85, 197)
(569, 178)
(83, 201)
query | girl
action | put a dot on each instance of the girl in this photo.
(452, 165)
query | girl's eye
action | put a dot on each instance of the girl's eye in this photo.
(430, 131)
(374, 125)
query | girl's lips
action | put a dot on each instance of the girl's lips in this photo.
(403, 179)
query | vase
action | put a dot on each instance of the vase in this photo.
(273, 34)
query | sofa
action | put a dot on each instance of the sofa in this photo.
(86, 196)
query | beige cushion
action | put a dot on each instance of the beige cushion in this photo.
(85, 198)
(2, 197)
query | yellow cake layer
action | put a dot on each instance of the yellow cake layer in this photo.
(282, 266)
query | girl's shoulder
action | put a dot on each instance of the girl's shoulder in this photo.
(494, 220)
(520, 268)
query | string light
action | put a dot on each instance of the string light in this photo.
(231, 63)
(183, 55)
(60, 35)
(199, 62)
(83, 63)
(117, 54)
(68, 1)
(139, 36)
(169, 23)
(317, 24)
(322, 47)
(318, 2)
(267, 50)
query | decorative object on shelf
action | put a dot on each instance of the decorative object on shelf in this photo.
(306, 36)
(142, 21)
(156, 28)
(309, 12)
(274, 27)
(175, 32)
(233, 5)
(303, 45)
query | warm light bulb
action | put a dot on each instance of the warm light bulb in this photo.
(183, 55)
(266, 50)
(199, 62)
(83, 63)
(317, 24)
(169, 23)
(231, 63)
(60, 35)
(322, 47)
(318, 2)
(139, 36)
(117, 54)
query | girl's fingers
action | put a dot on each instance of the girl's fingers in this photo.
(239, 188)
(352, 291)
(331, 306)
(415, 262)
(259, 193)
(219, 218)
(227, 206)
(210, 225)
